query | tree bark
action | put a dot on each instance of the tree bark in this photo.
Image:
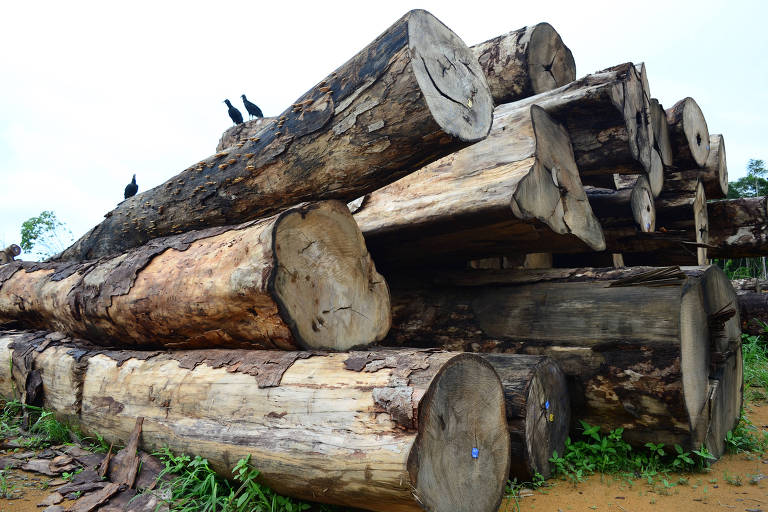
(714, 174)
(538, 411)
(688, 134)
(525, 62)
(241, 133)
(606, 116)
(634, 343)
(413, 95)
(386, 431)
(301, 279)
(517, 191)
(753, 308)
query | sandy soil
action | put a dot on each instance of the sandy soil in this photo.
(29, 489)
(736, 483)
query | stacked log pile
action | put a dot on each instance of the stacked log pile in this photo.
(242, 308)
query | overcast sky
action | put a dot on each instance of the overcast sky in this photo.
(92, 92)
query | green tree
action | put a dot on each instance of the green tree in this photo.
(755, 183)
(45, 235)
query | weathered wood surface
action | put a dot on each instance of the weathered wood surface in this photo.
(635, 343)
(727, 402)
(605, 115)
(714, 174)
(300, 279)
(386, 430)
(9, 254)
(243, 132)
(751, 284)
(629, 207)
(538, 411)
(738, 228)
(413, 95)
(517, 191)
(688, 134)
(682, 211)
(661, 140)
(525, 62)
(753, 308)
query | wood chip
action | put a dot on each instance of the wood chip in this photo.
(92, 501)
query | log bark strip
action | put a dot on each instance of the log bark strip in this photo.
(517, 191)
(635, 344)
(413, 95)
(525, 62)
(606, 116)
(301, 279)
(387, 431)
(538, 411)
(688, 134)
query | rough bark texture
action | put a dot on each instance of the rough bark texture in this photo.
(524, 62)
(387, 430)
(301, 279)
(738, 228)
(606, 115)
(413, 95)
(753, 308)
(714, 174)
(517, 191)
(241, 133)
(634, 343)
(688, 134)
(538, 411)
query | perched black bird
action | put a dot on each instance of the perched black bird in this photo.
(235, 114)
(131, 188)
(252, 109)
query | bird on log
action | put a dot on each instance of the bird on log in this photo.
(234, 114)
(252, 108)
(131, 188)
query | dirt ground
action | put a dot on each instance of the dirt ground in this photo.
(29, 489)
(736, 483)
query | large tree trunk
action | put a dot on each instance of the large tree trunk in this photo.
(538, 411)
(634, 343)
(517, 191)
(524, 62)
(714, 174)
(301, 279)
(390, 431)
(688, 134)
(413, 95)
(606, 115)
(241, 133)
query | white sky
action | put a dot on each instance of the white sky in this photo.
(92, 92)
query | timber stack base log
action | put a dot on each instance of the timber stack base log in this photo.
(403, 430)
(302, 279)
(413, 95)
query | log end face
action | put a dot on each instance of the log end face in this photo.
(643, 206)
(550, 62)
(460, 459)
(687, 119)
(694, 353)
(701, 222)
(325, 282)
(450, 78)
(717, 163)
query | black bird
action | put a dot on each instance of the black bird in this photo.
(252, 109)
(235, 114)
(131, 188)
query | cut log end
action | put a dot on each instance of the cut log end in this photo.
(726, 402)
(550, 62)
(689, 133)
(661, 133)
(642, 204)
(460, 459)
(554, 193)
(701, 222)
(716, 163)
(326, 283)
(454, 87)
(694, 353)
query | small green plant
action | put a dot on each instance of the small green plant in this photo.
(513, 488)
(734, 480)
(746, 437)
(6, 487)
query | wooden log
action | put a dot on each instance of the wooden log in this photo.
(606, 116)
(524, 62)
(753, 310)
(739, 228)
(242, 132)
(688, 134)
(628, 207)
(655, 176)
(649, 377)
(413, 95)
(402, 430)
(727, 402)
(9, 254)
(661, 141)
(538, 411)
(300, 279)
(714, 174)
(517, 191)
